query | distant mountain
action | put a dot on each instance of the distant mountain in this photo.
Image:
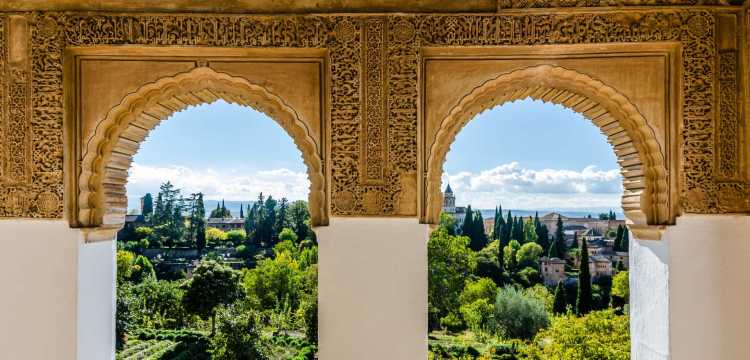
(490, 213)
(233, 206)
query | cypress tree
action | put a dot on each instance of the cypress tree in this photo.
(249, 224)
(620, 266)
(618, 238)
(282, 216)
(559, 242)
(468, 226)
(543, 236)
(200, 223)
(625, 243)
(560, 305)
(159, 211)
(270, 218)
(262, 235)
(529, 231)
(507, 228)
(517, 229)
(585, 299)
(478, 237)
(574, 245)
(242, 212)
(148, 205)
(497, 230)
(559, 229)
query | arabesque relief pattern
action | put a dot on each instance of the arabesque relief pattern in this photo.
(525, 4)
(374, 67)
(728, 115)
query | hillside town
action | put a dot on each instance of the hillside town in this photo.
(602, 234)
(499, 285)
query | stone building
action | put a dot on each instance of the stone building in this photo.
(578, 223)
(600, 266)
(373, 93)
(449, 206)
(553, 270)
(225, 224)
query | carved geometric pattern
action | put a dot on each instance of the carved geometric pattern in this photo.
(346, 116)
(109, 153)
(728, 134)
(368, 137)
(645, 199)
(374, 136)
(698, 44)
(516, 4)
(3, 85)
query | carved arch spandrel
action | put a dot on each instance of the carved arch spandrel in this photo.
(107, 155)
(646, 199)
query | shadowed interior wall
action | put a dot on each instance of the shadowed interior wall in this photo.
(96, 297)
(649, 299)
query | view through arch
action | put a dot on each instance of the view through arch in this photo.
(531, 192)
(646, 200)
(108, 153)
(217, 256)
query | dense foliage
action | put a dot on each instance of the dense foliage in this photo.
(487, 300)
(250, 293)
(598, 335)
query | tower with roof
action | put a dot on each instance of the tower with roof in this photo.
(449, 200)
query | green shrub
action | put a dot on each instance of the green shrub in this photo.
(518, 315)
(452, 322)
(598, 335)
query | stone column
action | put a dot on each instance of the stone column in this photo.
(373, 289)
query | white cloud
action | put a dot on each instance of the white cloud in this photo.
(522, 188)
(232, 185)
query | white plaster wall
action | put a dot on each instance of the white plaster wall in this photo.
(96, 301)
(44, 313)
(373, 289)
(38, 281)
(710, 287)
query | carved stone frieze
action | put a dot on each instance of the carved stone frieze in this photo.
(728, 123)
(3, 86)
(374, 69)
(525, 4)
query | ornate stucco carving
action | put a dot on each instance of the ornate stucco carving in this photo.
(646, 198)
(374, 64)
(107, 156)
(728, 123)
(515, 4)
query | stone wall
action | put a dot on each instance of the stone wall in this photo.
(375, 154)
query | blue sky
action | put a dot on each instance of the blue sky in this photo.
(531, 155)
(525, 154)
